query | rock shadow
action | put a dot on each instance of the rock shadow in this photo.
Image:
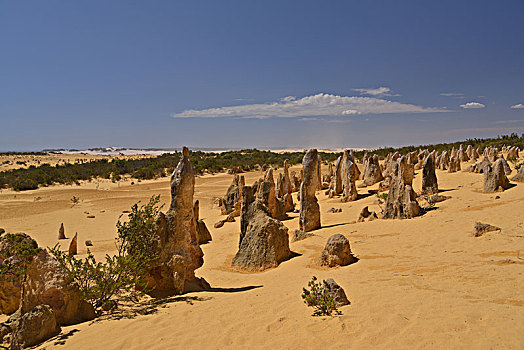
(232, 289)
(62, 337)
(147, 307)
(333, 225)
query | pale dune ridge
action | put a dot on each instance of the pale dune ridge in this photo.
(419, 283)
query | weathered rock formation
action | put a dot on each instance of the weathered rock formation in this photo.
(401, 202)
(519, 177)
(61, 232)
(495, 178)
(429, 178)
(33, 327)
(319, 173)
(73, 245)
(479, 229)
(366, 214)
(232, 199)
(266, 192)
(350, 174)
(48, 284)
(454, 164)
(336, 252)
(337, 177)
(372, 171)
(14, 263)
(285, 188)
(443, 161)
(179, 253)
(203, 234)
(336, 291)
(309, 209)
(264, 241)
(299, 235)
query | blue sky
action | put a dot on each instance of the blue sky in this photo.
(258, 73)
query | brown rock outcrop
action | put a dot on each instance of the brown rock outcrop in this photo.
(519, 177)
(203, 234)
(309, 209)
(372, 171)
(336, 291)
(336, 252)
(350, 174)
(73, 245)
(429, 178)
(46, 283)
(366, 214)
(34, 327)
(264, 241)
(13, 263)
(61, 232)
(401, 202)
(495, 178)
(179, 253)
(479, 229)
(232, 197)
(454, 164)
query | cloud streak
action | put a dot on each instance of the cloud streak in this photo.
(319, 105)
(380, 91)
(453, 94)
(517, 106)
(472, 105)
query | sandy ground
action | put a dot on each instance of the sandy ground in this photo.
(419, 283)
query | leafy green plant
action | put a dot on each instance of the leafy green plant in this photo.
(119, 278)
(318, 297)
(16, 256)
(381, 199)
(75, 200)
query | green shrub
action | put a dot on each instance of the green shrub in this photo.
(23, 184)
(318, 297)
(119, 277)
(16, 256)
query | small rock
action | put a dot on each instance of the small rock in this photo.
(73, 249)
(299, 235)
(34, 327)
(61, 232)
(497, 197)
(335, 210)
(219, 224)
(337, 292)
(89, 243)
(90, 216)
(336, 252)
(479, 229)
(2, 231)
(366, 214)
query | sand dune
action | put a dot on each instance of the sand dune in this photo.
(419, 283)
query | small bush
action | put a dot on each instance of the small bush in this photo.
(319, 298)
(24, 184)
(16, 257)
(120, 277)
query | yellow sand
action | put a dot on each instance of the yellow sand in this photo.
(420, 283)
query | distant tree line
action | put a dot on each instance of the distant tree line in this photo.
(145, 168)
(245, 160)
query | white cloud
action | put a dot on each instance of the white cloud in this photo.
(453, 94)
(472, 105)
(315, 105)
(350, 112)
(517, 106)
(380, 91)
